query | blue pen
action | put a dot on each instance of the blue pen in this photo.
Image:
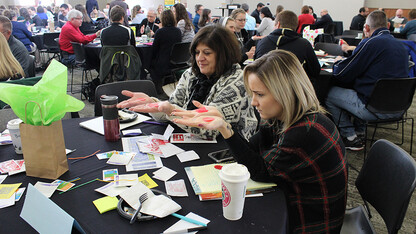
(154, 122)
(188, 219)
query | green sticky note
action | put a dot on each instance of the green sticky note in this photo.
(106, 204)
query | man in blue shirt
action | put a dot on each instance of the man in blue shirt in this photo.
(250, 21)
(370, 61)
(198, 12)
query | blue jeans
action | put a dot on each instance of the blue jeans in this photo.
(347, 99)
(68, 60)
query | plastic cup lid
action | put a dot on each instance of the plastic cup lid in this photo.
(109, 100)
(234, 172)
(14, 123)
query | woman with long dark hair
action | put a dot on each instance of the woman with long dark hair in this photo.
(205, 18)
(183, 22)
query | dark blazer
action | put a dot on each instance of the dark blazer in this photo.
(324, 22)
(152, 26)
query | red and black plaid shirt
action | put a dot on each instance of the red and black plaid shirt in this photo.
(307, 161)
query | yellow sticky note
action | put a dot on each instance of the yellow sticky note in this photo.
(146, 180)
(7, 190)
(106, 204)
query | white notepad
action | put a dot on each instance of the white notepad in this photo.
(97, 124)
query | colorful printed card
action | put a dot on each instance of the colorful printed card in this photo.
(9, 165)
(63, 185)
(19, 193)
(146, 180)
(105, 155)
(7, 190)
(108, 175)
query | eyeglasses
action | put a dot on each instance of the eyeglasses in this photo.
(241, 20)
(80, 18)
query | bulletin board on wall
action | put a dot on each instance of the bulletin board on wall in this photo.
(171, 2)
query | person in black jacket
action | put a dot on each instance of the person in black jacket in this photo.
(165, 38)
(324, 21)
(358, 21)
(152, 21)
(286, 38)
(117, 33)
(256, 12)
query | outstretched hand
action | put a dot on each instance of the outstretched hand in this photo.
(134, 100)
(204, 117)
(201, 111)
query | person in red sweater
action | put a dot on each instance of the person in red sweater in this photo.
(70, 33)
(305, 18)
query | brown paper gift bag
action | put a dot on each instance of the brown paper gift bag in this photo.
(44, 150)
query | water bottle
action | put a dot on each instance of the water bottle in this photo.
(110, 116)
(147, 32)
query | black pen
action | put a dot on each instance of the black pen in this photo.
(186, 230)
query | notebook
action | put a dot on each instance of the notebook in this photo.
(97, 125)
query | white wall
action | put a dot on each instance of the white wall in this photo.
(407, 4)
(339, 10)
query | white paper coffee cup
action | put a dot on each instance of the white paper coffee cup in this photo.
(233, 185)
(13, 126)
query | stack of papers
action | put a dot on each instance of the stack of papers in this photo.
(12, 166)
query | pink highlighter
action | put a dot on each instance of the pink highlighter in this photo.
(208, 119)
(201, 110)
(154, 104)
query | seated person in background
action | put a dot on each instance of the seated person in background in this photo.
(40, 11)
(296, 146)
(267, 24)
(20, 31)
(70, 33)
(25, 18)
(198, 12)
(165, 38)
(369, 62)
(137, 15)
(398, 19)
(151, 21)
(246, 43)
(324, 21)
(205, 18)
(87, 25)
(250, 20)
(9, 66)
(35, 18)
(228, 23)
(62, 18)
(410, 27)
(19, 51)
(214, 79)
(117, 33)
(286, 38)
(304, 18)
(183, 22)
(358, 21)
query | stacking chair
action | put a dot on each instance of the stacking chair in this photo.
(330, 48)
(179, 58)
(386, 181)
(80, 62)
(51, 46)
(115, 88)
(391, 96)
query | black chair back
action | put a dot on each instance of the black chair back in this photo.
(330, 48)
(79, 52)
(50, 43)
(330, 29)
(115, 88)
(352, 32)
(32, 66)
(180, 53)
(412, 37)
(393, 95)
(387, 181)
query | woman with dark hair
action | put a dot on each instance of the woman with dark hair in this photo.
(25, 18)
(87, 25)
(42, 14)
(312, 13)
(183, 22)
(165, 38)
(267, 23)
(205, 18)
(296, 146)
(214, 79)
(304, 18)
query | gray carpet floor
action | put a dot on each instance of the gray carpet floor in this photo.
(354, 158)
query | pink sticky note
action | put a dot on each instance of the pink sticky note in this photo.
(208, 119)
(154, 104)
(142, 99)
(201, 110)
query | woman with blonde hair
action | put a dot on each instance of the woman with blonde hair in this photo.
(159, 10)
(296, 146)
(9, 66)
